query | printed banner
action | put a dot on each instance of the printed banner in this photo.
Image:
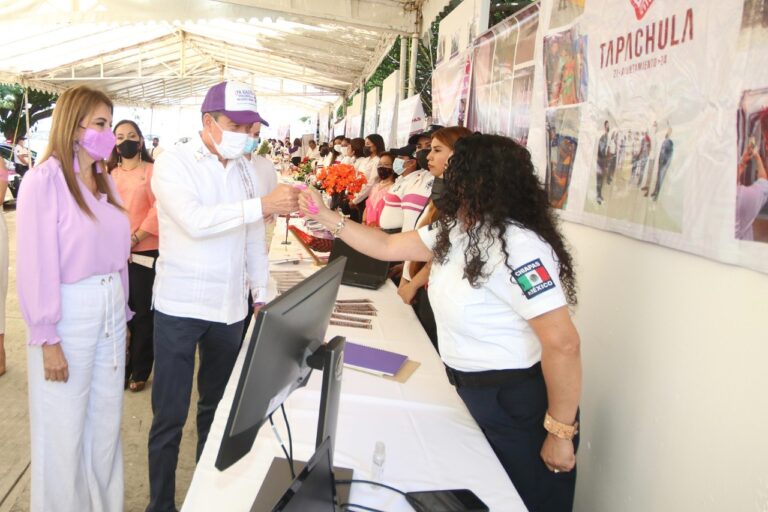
(388, 109)
(750, 218)
(324, 117)
(371, 111)
(450, 91)
(354, 117)
(647, 118)
(652, 120)
(410, 119)
(339, 128)
(459, 29)
(503, 68)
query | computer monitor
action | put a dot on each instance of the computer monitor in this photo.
(314, 489)
(287, 342)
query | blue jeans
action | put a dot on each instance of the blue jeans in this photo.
(175, 342)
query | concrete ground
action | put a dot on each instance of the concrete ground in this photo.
(14, 420)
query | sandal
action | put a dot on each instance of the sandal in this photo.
(137, 385)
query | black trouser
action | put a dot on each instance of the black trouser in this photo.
(426, 316)
(247, 320)
(511, 417)
(138, 364)
(175, 342)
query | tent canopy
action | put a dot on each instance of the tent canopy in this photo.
(149, 53)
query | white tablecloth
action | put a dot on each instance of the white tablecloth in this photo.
(431, 440)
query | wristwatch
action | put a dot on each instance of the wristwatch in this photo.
(561, 430)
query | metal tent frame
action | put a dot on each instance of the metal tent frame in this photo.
(307, 52)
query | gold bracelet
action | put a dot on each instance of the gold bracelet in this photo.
(561, 430)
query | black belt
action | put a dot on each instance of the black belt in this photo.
(491, 378)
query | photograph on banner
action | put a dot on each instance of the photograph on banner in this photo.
(751, 222)
(636, 171)
(502, 76)
(565, 67)
(562, 142)
(522, 95)
(565, 11)
(754, 23)
(460, 27)
(450, 91)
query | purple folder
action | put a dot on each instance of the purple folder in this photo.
(374, 360)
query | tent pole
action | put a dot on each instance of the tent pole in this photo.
(26, 112)
(362, 117)
(403, 65)
(412, 65)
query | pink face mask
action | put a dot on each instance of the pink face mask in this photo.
(97, 144)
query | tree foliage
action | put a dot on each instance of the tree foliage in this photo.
(12, 122)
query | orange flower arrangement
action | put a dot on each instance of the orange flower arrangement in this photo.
(341, 179)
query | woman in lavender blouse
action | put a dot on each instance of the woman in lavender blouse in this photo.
(73, 241)
(3, 261)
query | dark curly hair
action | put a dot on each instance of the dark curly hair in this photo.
(490, 181)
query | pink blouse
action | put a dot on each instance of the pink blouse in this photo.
(375, 203)
(136, 193)
(58, 243)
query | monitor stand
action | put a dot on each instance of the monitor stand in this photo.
(279, 479)
(329, 358)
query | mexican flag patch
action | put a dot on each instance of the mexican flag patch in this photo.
(533, 278)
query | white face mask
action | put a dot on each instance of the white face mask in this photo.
(398, 166)
(232, 144)
(337, 148)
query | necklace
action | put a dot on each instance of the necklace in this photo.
(141, 164)
(132, 168)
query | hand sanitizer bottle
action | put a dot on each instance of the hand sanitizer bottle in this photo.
(377, 468)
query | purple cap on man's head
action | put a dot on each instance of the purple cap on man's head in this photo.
(236, 101)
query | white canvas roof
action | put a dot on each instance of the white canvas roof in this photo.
(151, 52)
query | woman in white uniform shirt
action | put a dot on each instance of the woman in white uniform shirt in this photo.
(500, 286)
(347, 154)
(373, 147)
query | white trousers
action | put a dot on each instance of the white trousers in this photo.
(77, 456)
(3, 268)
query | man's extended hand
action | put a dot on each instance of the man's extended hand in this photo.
(282, 201)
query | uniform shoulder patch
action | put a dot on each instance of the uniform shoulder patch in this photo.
(533, 278)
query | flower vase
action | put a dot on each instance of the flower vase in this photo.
(336, 201)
